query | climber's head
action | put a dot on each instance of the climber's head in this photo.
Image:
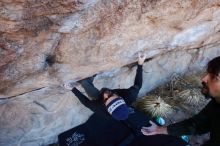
(115, 104)
(106, 93)
(211, 80)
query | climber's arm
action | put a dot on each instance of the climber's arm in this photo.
(139, 73)
(130, 94)
(83, 99)
(138, 77)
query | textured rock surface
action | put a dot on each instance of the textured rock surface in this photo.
(36, 118)
(44, 43)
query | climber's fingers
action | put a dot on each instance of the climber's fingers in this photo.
(69, 85)
(141, 58)
(139, 55)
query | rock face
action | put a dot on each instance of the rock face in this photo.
(45, 43)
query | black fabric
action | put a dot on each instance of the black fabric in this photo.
(76, 136)
(208, 120)
(157, 140)
(109, 132)
(211, 143)
(96, 132)
(95, 105)
(131, 94)
(136, 120)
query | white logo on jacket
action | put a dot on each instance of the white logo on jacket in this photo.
(75, 140)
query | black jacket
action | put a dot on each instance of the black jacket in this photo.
(208, 120)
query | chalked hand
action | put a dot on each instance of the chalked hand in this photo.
(141, 58)
(69, 85)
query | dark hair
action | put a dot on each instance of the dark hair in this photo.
(214, 66)
(105, 90)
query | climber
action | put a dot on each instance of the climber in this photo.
(117, 101)
(113, 107)
(205, 121)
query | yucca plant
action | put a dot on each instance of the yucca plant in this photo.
(191, 96)
(155, 106)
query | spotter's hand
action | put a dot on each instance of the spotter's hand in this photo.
(153, 130)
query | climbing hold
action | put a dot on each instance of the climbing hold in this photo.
(50, 60)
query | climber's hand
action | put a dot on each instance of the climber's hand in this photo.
(141, 58)
(69, 85)
(154, 130)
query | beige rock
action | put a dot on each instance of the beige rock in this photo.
(38, 117)
(88, 37)
(45, 43)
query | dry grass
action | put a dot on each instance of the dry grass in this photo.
(181, 93)
(191, 96)
(155, 106)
